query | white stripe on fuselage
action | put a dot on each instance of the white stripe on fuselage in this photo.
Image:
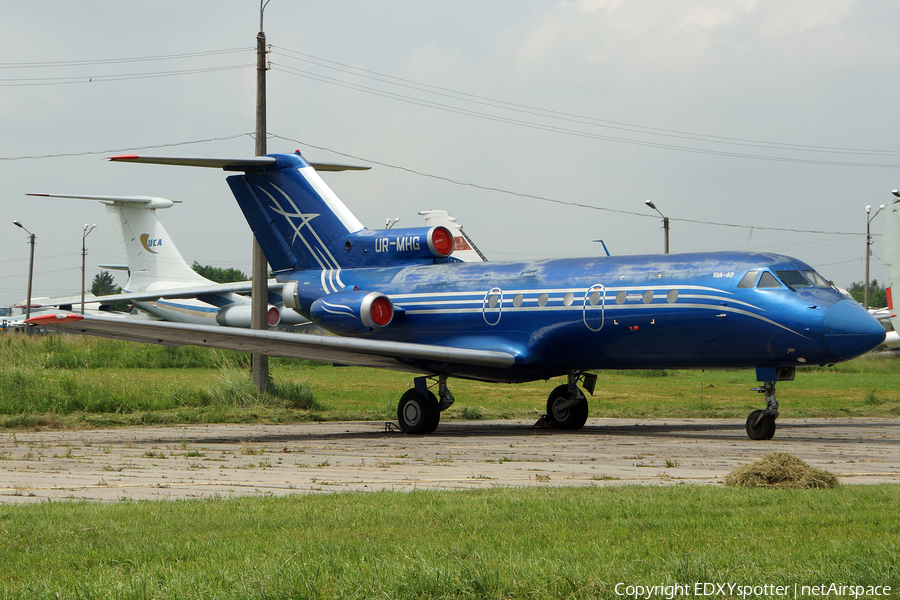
(611, 308)
(472, 302)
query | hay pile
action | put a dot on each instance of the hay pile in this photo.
(780, 470)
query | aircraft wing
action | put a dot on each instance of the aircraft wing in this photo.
(399, 356)
(238, 287)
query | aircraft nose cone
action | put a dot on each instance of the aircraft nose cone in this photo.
(851, 331)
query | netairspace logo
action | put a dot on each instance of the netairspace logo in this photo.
(737, 590)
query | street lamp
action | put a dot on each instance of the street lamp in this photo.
(30, 270)
(665, 221)
(869, 249)
(87, 230)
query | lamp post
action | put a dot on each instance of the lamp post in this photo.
(87, 230)
(665, 222)
(30, 270)
(869, 249)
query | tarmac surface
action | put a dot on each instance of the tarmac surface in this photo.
(162, 463)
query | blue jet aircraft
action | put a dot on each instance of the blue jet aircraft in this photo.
(397, 299)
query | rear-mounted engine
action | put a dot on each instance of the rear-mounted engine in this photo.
(351, 312)
(391, 246)
(240, 316)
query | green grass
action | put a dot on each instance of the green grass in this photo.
(503, 543)
(74, 381)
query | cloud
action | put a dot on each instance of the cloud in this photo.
(433, 63)
(641, 38)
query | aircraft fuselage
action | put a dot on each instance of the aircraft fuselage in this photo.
(631, 312)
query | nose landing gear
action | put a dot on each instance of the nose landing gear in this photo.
(761, 423)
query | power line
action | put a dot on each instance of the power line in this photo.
(118, 150)
(459, 96)
(115, 61)
(558, 115)
(554, 200)
(439, 178)
(572, 132)
(44, 81)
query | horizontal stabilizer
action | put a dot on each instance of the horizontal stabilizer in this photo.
(133, 201)
(229, 164)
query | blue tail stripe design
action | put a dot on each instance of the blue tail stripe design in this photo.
(295, 227)
(274, 246)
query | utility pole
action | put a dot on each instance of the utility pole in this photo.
(83, 257)
(259, 363)
(869, 250)
(30, 272)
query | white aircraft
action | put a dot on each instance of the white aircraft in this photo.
(162, 283)
(889, 317)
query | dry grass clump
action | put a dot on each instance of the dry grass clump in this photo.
(780, 470)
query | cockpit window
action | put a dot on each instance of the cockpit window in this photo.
(749, 280)
(768, 281)
(794, 279)
(817, 279)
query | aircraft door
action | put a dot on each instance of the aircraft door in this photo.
(492, 305)
(594, 312)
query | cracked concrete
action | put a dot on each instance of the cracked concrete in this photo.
(142, 463)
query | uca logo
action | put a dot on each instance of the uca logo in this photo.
(149, 244)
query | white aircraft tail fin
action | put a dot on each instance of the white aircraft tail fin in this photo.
(153, 259)
(892, 259)
(892, 253)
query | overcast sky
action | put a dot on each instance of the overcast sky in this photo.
(542, 126)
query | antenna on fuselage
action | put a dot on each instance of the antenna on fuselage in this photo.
(602, 243)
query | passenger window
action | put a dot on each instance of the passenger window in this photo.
(817, 279)
(794, 279)
(749, 280)
(768, 281)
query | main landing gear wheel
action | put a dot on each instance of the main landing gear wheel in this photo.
(417, 413)
(760, 426)
(567, 408)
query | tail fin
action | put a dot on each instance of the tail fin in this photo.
(299, 221)
(151, 254)
(892, 257)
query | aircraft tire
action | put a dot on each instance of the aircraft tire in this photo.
(417, 414)
(764, 430)
(572, 417)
